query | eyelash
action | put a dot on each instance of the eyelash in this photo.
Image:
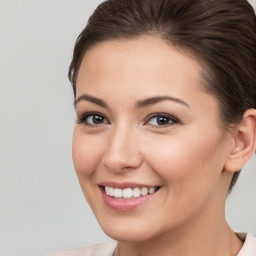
(171, 119)
(83, 118)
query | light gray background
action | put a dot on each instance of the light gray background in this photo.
(41, 206)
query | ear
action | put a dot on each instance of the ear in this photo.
(244, 142)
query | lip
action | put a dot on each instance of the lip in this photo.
(125, 205)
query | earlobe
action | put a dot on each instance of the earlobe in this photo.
(244, 142)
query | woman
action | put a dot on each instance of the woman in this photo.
(165, 95)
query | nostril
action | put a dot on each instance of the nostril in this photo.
(121, 162)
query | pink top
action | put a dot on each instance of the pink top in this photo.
(107, 249)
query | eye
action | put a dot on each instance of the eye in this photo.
(161, 120)
(92, 119)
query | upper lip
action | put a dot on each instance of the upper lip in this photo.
(123, 185)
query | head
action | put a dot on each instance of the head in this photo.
(217, 41)
(221, 36)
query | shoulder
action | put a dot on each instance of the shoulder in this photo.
(103, 249)
(249, 247)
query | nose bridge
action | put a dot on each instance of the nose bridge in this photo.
(122, 152)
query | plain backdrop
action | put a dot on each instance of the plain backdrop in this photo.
(41, 206)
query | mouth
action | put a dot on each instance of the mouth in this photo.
(129, 192)
(126, 197)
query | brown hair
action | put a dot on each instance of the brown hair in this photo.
(220, 33)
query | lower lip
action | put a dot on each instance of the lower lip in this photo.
(124, 205)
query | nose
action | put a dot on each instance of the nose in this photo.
(122, 153)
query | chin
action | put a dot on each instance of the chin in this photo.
(129, 235)
(128, 230)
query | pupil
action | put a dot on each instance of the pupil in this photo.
(97, 119)
(162, 120)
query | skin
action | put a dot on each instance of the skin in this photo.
(186, 158)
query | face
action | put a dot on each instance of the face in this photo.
(147, 148)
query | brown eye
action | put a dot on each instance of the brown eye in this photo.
(93, 119)
(161, 119)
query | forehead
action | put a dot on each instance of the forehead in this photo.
(144, 60)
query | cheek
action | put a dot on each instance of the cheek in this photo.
(190, 161)
(86, 153)
(190, 169)
(86, 157)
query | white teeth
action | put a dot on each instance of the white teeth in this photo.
(107, 190)
(111, 192)
(136, 192)
(118, 193)
(151, 190)
(129, 192)
(144, 191)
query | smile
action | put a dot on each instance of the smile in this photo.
(128, 193)
(125, 197)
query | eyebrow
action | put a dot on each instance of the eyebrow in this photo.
(91, 99)
(154, 100)
(139, 104)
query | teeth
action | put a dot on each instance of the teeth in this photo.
(107, 190)
(118, 193)
(144, 191)
(129, 192)
(111, 192)
(151, 190)
(136, 192)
